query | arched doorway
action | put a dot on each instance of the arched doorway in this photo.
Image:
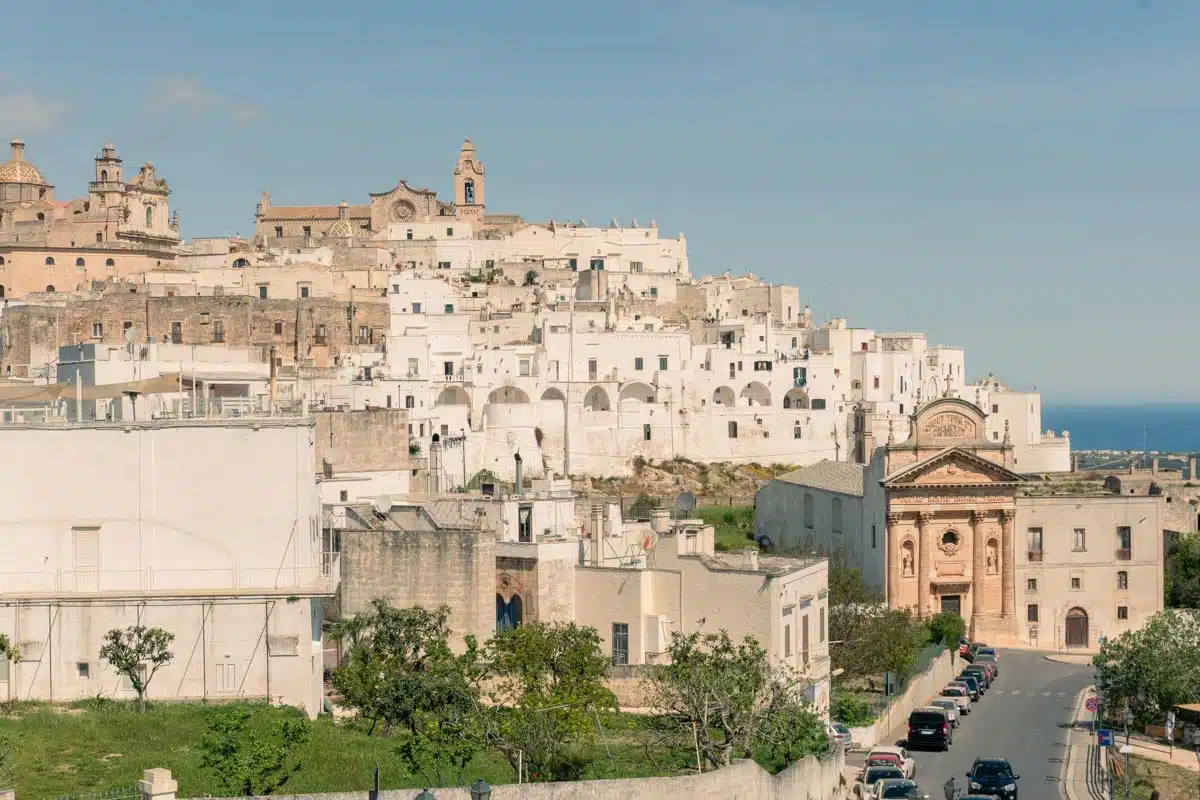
(510, 614)
(1077, 628)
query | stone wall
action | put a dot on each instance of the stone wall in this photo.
(807, 779)
(450, 567)
(921, 689)
(311, 328)
(362, 441)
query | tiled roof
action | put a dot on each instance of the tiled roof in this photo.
(312, 212)
(829, 476)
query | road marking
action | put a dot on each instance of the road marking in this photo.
(1017, 691)
(1061, 694)
(1045, 694)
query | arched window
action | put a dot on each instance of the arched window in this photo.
(808, 511)
(41, 217)
(50, 289)
(79, 262)
(1122, 576)
(149, 216)
(1, 291)
(837, 515)
(241, 263)
(108, 262)
(104, 175)
(1, 261)
(49, 261)
(469, 192)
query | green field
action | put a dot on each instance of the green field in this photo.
(732, 524)
(91, 747)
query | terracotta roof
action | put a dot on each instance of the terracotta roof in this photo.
(312, 212)
(830, 476)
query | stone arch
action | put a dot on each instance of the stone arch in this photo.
(1, 290)
(509, 613)
(50, 288)
(103, 176)
(554, 393)
(241, 263)
(108, 262)
(638, 391)
(723, 396)
(756, 394)
(508, 395)
(796, 398)
(79, 262)
(596, 399)
(453, 396)
(49, 261)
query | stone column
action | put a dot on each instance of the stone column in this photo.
(1007, 564)
(924, 561)
(979, 563)
(894, 558)
(157, 784)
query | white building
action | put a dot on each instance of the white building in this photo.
(208, 529)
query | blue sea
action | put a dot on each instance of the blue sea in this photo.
(1164, 427)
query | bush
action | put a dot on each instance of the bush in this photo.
(946, 629)
(850, 709)
(642, 505)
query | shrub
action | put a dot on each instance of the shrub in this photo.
(946, 628)
(850, 709)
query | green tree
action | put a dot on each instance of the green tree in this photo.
(137, 653)
(1183, 572)
(1152, 669)
(946, 628)
(8, 767)
(251, 760)
(8, 651)
(725, 700)
(546, 687)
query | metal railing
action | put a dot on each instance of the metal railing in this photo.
(1035, 555)
(153, 579)
(1124, 554)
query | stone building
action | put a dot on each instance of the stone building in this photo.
(120, 229)
(943, 522)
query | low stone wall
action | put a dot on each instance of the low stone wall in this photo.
(921, 689)
(628, 684)
(807, 779)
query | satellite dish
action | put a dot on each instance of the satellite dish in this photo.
(686, 501)
(648, 541)
(130, 335)
(383, 505)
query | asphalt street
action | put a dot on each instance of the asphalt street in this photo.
(1025, 717)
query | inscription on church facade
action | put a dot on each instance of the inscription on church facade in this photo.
(948, 425)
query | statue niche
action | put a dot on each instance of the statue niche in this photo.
(906, 559)
(993, 557)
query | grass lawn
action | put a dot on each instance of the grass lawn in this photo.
(1172, 782)
(732, 524)
(91, 747)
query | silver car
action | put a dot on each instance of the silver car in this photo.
(949, 705)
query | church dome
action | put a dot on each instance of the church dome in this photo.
(340, 230)
(18, 170)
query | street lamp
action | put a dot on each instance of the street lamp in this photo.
(481, 790)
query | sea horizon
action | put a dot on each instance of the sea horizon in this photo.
(1162, 426)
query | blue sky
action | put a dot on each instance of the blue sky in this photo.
(1018, 178)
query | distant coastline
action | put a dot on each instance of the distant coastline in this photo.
(1162, 427)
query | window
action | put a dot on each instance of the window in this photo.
(448, 369)
(410, 401)
(1122, 612)
(177, 332)
(593, 369)
(416, 308)
(733, 433)
(663, 363)
(1079, 539)
(307, 231)
(79, 262)
(1031, 584)
(262, 291)
(818, 404)
(1035, 544)
(573, 264)
(1031, 612)
(523, 368)
(638, 363)
(449, 231)
(97, 330)
(278, 328)
(149, 216)
(1076, 582)
(108, 262)
(278, 231)
(654, 291)
(343, 495)
(876, 381)
(413, 367)
(837, 515)
(787, 640)
(822, 623)
(874, 543)
(524, 522)
(319, 336)
(226, 678)
(796, 432)
(449, 308)
(83, 670)
(408, 234)
(1122, 580)
(804, 638)
(808, 511)
(443, 265)
(303, 290)
(218, 331)
(635, 266)
(366, 334)
(1124, 542)
(620, 644)
(50, 288)
(49, 262)
(646, 432)
(99, 237)
(126, 325)
(86, 543)
(597, 264)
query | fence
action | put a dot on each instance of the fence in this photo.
(933, 670)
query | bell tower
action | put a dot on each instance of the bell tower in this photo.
(468, 184)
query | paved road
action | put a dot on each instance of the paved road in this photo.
(1025, 717)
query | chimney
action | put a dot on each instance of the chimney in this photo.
(518, 461)
(18, 150)
(597, 521)
(1154, 466)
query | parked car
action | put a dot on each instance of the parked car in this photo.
(981, 673)
(906, 761)
(970, 685)
(883, 760)
(959, 695)
(990, 666)
(986, 654)
(972, 649)
(839, 734)
(994, 777)
(892, 789)
(929, 727)
(964, 645)
(866, 780)
(973, 682)
(950, 706)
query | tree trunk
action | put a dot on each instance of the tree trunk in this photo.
(142, 702)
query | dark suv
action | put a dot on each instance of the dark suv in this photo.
(993, 776)
(929, 727)
(981, 674)
(972, 681)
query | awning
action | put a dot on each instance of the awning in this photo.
(11, 392)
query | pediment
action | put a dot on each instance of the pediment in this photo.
(953, 467)
(403, 190)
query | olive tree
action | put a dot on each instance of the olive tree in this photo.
(137, 653)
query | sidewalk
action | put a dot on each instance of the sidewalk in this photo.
(1159, 750)
(1084, 775)
(1082, 659)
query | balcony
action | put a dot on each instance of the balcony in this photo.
(1124, 554)
(150, 580)
(1035, 555)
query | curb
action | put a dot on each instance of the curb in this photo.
(1065, 777)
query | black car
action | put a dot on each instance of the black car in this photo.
(973, 682)
(900, 790)
(929, 727)
(993, 777)
(981, 674)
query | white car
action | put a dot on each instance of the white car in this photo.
(907, 763)
(960, 695)
(949, 705)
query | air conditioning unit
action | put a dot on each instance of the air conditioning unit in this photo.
(657, 633)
